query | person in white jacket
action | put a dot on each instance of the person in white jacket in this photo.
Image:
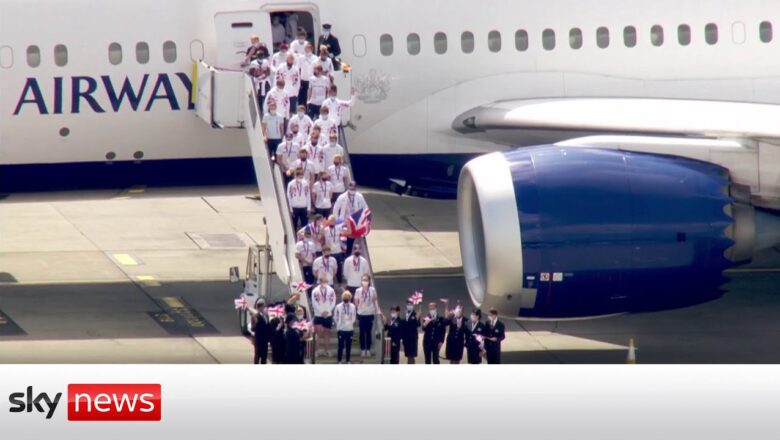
(299, 198)
(323, 301)
(367, 304)
(344, 318)
(355, 267)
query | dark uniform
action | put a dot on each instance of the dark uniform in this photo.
(262, 331)
(395, 332)
(456, 338)
(294, 343)
(433, 335)
(410, 334)
(278, 341)
(334, 48)
(493, 348)
(473, 350)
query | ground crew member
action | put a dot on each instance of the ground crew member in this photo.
(494, 334)
(474, 329)
(324, 302)
(394, 330)
(323, 193)
(367, 304)
(325, 265)
(333, 242)
(331, 44)
(318, 90)
(456, 336)
(262, 330)
(293, 339)
(306, 61)
(410, 333)
(299, 198)
(273, 127)
(344, 318)
(339, 176)
(433, 334)
(355, 267)
(305, 254)
(278, 340)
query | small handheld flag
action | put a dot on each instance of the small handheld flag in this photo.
(416, 298)
(241, 303)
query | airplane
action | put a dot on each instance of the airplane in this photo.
(608, 156)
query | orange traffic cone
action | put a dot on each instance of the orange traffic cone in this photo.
(631, 352)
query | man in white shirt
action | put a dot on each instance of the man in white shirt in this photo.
(298, 45)
(339, 177)
(292, 79)
(344, 317)
(347, 204)
(326, 124)
(326, 63)
(322, 193)
(278, 33)
(304, 253)
(331, 150)
(304, 165)
(326, 266)
(318, 91)
(306, 61)
(367, 304)
(299, 199)
(278, 58)
(279, 96)
(323, 302)
(273, 127)
(337, 106)
(355, 267)
(316, 148)
(302, 120)
(286, 154)
(332, 237)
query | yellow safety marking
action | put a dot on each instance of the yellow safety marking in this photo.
(173, 302)
(125, 260)
(147, 280)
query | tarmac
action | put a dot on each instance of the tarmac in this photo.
(141, 276)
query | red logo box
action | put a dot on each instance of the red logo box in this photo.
(114, 402)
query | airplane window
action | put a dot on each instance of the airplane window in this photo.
(521, 40)
(440, 43)
(169, 52)
(33, 56)
(494, 41)
(684, 34)
(575, 38)
(602, 37)
(413, 44)
(765, 31)
(711, 33)
(115, 53)
(142, 52)
(629, 36)
(467, 42)
(60, 55)
(657, 35)
(548, 39)
(386, 44)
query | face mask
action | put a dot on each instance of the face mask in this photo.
(308, 52)
(332, 142)
(333, 97)
(352, 192)
(299, 177)
(300, 40)
(432, 313)
(365, 284)
(394, 315)
(474, 318)
(457, 313)
(493, 319)
(301, 114)
(323, 116)
(357, 254)
(409, 308)
(326, 33)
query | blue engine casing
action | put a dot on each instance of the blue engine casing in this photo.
(607, 231)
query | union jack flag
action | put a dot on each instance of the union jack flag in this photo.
(480, 340)
(301, 325)
(416, 298)
(300, 287)
(241, 303)
(359, 223)
(277, 310)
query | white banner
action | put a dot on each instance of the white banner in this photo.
(387, 402)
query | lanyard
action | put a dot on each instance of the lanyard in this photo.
(337, 169)
(356, 263)
(298, 186)
(326, 263)
(351, 201)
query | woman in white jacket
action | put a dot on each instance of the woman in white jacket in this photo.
(367, 306)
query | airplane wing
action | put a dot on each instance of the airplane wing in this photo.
(531, 122)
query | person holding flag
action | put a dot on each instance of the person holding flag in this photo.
(262, 332)
(323, 301)
(433, 334)
(456, 335)
(278, 338)
(346, 205)
(475, 329)
(293, 340)
(409, 329)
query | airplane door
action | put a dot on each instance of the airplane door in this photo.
(234, 30)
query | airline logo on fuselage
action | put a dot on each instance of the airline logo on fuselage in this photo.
(106, 94)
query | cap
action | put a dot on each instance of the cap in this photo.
(327, 26)
(283, 46)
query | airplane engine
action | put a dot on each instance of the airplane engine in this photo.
(570, 232)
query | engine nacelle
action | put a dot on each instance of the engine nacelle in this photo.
(564, 232)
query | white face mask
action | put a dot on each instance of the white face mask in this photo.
(394, 315)
(458, 313)
(326, 33)
(432, 313)
(301, 114)
(300, 40)
(332, 142)
(493, 319)
(308, 52)
(299, 315)
(474, 318)
(351, 192)
(365, 283)
(409, 308)
(323, 116)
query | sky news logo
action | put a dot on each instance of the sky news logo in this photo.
(95, 402)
